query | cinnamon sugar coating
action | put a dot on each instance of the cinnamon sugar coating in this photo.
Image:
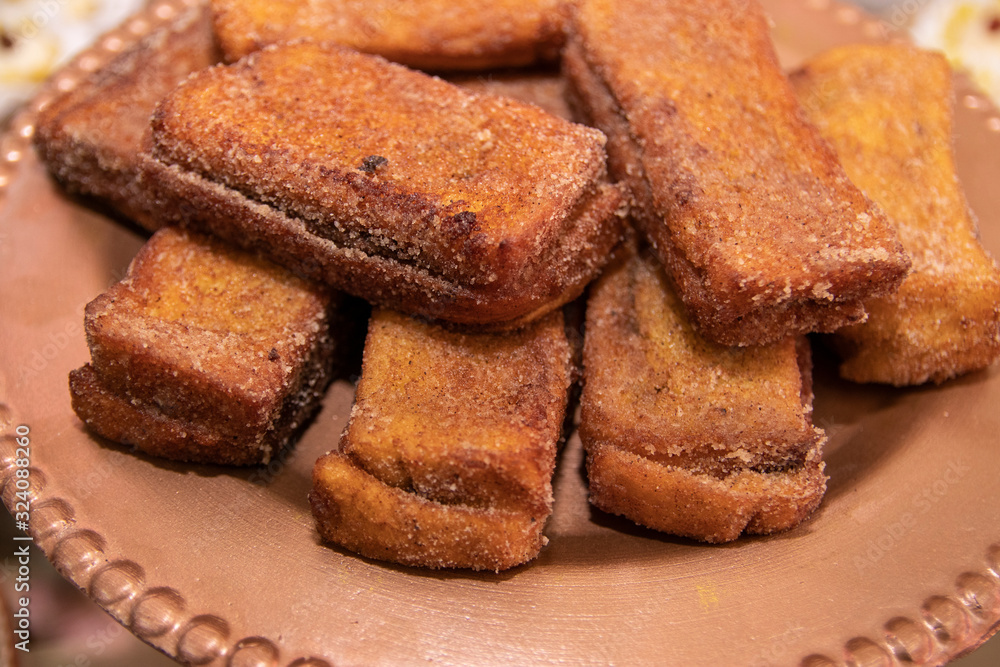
(90, 136)
(684, 435)
(452, 429)
(190, 360)
(759, 227)
(485, 211)
(428, 34)
(887, 112)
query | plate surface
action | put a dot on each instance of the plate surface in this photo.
(900, 565)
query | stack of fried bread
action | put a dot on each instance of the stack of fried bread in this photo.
(188, 361)
(448, 457)
(123, 395)
(685, 435)
(887, 112)
(757, 224)
(396, 186)
(469, 219)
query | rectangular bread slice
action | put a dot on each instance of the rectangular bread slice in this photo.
(687, 436)
(189, 360)
(428, 34)
(90, 137)
(760, 229)
(886, 110)
(465, 423)
(387, 183)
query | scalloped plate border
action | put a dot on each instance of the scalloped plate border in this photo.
(947, 625)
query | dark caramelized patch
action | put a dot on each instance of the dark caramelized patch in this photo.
(373, 163)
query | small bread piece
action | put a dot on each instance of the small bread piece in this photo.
(886, 109)
(387, 183)
(90, 136)
(427, 34)
(684, 435)
(189, 361)
(759, 227)
(456, 425)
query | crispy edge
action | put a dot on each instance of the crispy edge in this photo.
(884, 349)
(145, 428)
(703, 507)
(358, 512)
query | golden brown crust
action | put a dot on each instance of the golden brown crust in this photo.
(456, 421)
(89, 137)
(887, 112)
(758, 225)
(724, 431)
(655, 386)
(428, 34)
(453, 223)
(188, 361)
(703, 507)
(462, 418)
(361, 513)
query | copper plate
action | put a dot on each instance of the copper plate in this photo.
(900, 565)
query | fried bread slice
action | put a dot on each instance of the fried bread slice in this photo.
(427, 34)
(189, 361)
(90, 136)
(684, 435)
(387, 183)
(759, 227)
(463, 427)
(886, 109)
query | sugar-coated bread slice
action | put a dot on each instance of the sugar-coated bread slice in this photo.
(684, 435)
(451, 423)
(887, 111)
(429, 34)
(459, 417)
(90, 137)
(205, 353)
(387, 183)
(748, 208)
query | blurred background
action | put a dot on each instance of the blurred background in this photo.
(37, 37)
